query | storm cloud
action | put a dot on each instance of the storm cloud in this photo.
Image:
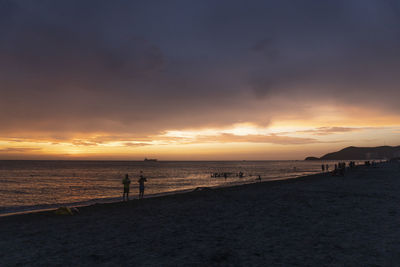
(140, 68)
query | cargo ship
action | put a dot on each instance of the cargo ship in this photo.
(153, 160)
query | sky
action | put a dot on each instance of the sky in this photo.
(197, 80)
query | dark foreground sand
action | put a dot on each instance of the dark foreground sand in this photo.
(317, 220)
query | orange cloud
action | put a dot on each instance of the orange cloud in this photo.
(19, 149)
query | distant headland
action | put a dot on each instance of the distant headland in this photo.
(363, 153)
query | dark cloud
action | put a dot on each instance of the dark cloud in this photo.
(128, 67)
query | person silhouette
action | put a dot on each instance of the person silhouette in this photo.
(126, 182)
(141, 181)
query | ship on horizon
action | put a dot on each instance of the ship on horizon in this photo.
(153, 160)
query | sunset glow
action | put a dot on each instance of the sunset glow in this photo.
(240, 141)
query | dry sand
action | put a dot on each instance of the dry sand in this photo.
(316, 220)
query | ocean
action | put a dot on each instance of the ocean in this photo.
(36, 185)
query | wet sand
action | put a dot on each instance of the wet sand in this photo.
(315, 220)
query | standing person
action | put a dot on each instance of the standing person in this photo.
(327, 167)
(141, 181)
(323, 167)
(126, 182)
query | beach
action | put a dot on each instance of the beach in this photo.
(314, 220)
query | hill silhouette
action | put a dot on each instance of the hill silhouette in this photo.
(364, 153)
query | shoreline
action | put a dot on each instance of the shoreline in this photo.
(99, 201)
(108, 202)
(103, 201)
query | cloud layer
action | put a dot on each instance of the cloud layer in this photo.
(125, 67)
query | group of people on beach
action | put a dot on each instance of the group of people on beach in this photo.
(325, 167)
(226, 174)
(368, 163)
(339, 169)
(127, 182)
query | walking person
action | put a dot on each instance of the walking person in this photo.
(126, 182)
(141, 181)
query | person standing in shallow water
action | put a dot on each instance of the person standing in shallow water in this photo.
(141, 181)
(126, 182)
